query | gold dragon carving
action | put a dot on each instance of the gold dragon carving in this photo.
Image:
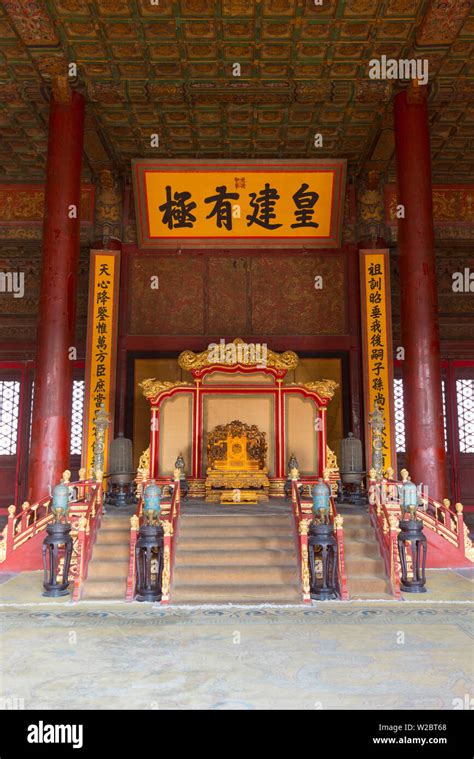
(152, 387)
(324, 388)
(189, 360)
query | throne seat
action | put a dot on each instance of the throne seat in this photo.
(236, 455)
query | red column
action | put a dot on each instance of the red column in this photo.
(57, 310)
(426, 458)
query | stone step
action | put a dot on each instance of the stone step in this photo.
(110, 551)
(112, 589)
(359, 587)
(361, 548)
(106, 535)
(359, 533)
(241, 520)
(356, 519)
(250, 542)
(224, 594)
(239, 557)
(235, 530)
(116, 522)
(110, 569)
(362, 566)
(234, 575)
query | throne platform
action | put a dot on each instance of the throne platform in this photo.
(236, 457)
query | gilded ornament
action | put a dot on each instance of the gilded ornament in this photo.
(167, 527)
(305, 569)
(83, 523)
(11, 510)
(393, 522)
(324, 388)
(66, 476)
(189, 361)
(331, 460)
(338, 521)
(144, 464)
(166, 574)
(468, 547)
(25, 505)
(459, 508)
(404, 475)
(152, 387)
(134, 522)
(303, 527)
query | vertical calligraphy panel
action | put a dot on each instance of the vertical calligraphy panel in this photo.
(101, 347)
(377, 348)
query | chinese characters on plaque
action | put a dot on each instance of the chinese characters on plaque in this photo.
(377, 344)
(191, 201)
(100, 368)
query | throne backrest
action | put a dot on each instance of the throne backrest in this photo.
(236, 446)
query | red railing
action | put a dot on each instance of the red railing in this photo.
(87, 527)
(169, 521)
(302, 514)
(32, 520)
(386, 532)
(436, 516)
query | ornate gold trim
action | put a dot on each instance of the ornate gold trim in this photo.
(188, 360)
(152, 387)
(324, 388)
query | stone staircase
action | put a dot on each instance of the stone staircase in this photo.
(227, 558)
(365, 569)
(108, 567)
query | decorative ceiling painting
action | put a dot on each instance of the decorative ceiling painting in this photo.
(170, 69)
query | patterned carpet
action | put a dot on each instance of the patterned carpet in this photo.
(333, 655)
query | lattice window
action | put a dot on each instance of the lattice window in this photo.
(31, 413)
(445, 428)
(77, 414)
(399, 415)
(465, 406)
(9, 411)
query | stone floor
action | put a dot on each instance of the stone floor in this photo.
(414, 654)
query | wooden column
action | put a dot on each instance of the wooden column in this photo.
(426, 458)
(57, 310)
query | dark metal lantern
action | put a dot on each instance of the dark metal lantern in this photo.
(149, 562)
(411, 531)
(58, 542)
(321, 541)
(120, 478)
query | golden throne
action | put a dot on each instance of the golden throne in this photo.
(236, 464)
